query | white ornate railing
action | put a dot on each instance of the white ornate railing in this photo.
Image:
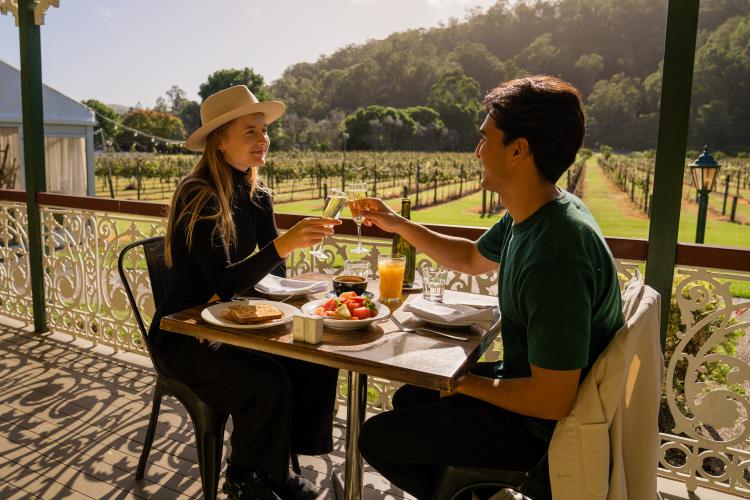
(706, 385)
(15, 282)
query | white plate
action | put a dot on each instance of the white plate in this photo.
(346, 324)
(215, 314)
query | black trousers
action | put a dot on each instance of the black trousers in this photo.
(278, 405)
(424, 432)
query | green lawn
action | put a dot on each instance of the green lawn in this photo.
(608, 211)
(609, 214)
(461, 212)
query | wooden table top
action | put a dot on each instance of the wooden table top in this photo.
(380, 349)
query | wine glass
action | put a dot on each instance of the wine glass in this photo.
(333, 209)
(357, 194)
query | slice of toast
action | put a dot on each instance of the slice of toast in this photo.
(250, 314)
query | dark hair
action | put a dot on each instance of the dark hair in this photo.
(547, 112)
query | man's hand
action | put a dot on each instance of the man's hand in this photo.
(380, 214)
(452, 252)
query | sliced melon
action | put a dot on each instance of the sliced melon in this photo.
(343, 312)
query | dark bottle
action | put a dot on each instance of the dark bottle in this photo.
(403, 247)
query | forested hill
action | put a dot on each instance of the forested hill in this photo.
(610, 49)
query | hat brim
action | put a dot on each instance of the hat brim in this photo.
(271, 109)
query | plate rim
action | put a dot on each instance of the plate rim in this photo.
(258, 326)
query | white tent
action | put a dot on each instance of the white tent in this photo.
(68, 138)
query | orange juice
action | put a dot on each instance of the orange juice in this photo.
(391, 270)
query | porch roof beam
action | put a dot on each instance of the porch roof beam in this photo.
(674, 115)
(33, 148)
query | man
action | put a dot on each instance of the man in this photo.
(558, 294)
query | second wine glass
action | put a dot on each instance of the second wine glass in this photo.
(335, 205)
(357, 194)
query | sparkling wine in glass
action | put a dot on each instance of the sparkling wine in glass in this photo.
(357, 194)
(333, 210)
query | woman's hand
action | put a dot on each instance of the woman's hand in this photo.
(306, 233)
(380, 214)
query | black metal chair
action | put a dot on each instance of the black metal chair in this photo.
(458, 483)
(208, 423)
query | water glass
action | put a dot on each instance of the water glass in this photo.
(357, 268)
(434, 279)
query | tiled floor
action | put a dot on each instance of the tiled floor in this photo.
(72, 420)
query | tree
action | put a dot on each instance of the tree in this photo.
(583, 41)
(151, 122)
(713, 125)
(379, 127)
(587, 68)
(225, 78)
(300, 94)
(480, 64)
(106, 122)
(425, 116)
(190, 114)
(177, 99)
(431, 133)
(722, 72)
(540, 56)
(161, 105)
(456, 97)
(612, 108)
(652, 91)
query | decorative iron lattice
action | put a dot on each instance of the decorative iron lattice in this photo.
(84, 295)
(705, 390)
(707, 385)
(15, 280)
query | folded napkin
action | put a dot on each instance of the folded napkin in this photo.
(448, 313)
(274, 284)
(470, 299)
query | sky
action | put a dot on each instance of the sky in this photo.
(131, 51)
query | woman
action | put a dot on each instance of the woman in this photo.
(219, 214)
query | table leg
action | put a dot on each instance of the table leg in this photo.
(355, 416)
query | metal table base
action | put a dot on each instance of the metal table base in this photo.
(350, 486)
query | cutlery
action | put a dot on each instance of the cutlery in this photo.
(407, 329)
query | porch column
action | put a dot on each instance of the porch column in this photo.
(33, 146)
(674, 113)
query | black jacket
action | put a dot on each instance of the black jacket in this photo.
(210, 266)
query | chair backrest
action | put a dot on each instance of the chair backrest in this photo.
(606, 447)
(153, 249)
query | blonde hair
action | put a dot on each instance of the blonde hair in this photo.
(210, 179)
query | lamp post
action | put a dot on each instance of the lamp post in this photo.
(705, 171)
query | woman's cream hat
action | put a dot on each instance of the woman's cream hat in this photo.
(226, 105)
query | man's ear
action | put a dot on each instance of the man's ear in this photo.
(520, 148)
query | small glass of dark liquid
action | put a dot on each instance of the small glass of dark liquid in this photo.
(349, 283)
(353, 278)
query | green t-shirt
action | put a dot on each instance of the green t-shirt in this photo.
(558, 289)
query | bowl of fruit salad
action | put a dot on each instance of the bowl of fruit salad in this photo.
(348, 311)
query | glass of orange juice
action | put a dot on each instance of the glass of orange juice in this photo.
(391, 271)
